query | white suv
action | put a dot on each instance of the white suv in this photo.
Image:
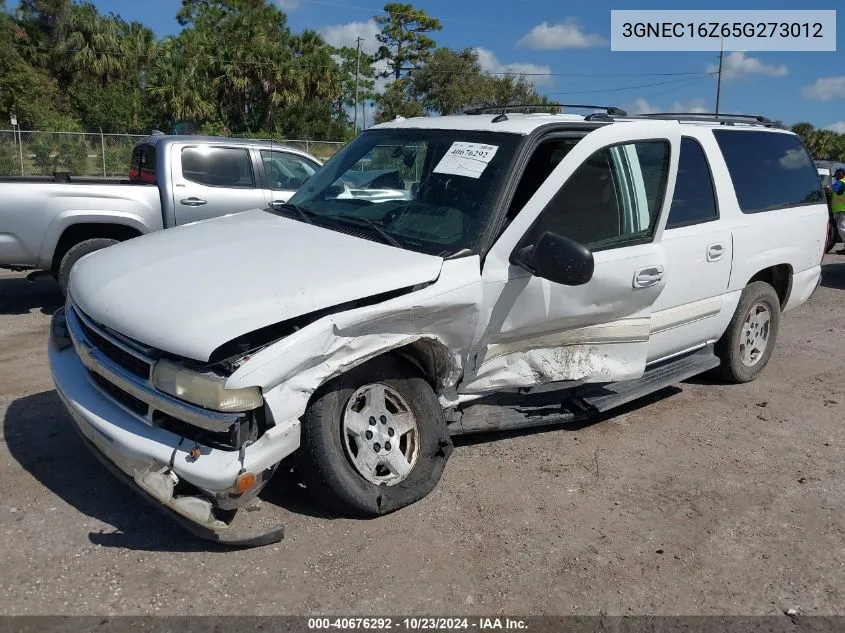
(512, 270)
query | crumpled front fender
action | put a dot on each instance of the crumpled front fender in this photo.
(434, 325)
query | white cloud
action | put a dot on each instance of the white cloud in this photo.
(643, 106)
(736, 65)
(826, 89)
(537, 74)
(693, 105)
(340, 35)
(640, 106)
(287, 5)
(794, 159)
(838, 127)
(568, 34)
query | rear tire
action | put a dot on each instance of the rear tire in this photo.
(77, 252)
(832, 236)
(373, 440)
(747, 345)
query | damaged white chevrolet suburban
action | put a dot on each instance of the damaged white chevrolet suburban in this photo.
(438, 276)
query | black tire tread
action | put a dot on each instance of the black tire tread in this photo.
(75, 253)
(316, 459)
(731, 368)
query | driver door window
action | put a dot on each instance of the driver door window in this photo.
(613, 199)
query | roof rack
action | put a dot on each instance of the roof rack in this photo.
(723, 119)
(502, 110)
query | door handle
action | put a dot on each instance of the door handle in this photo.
(277, 203)
(192, 202)
(715, 252)
(648, 276)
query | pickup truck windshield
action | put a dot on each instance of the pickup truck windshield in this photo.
(430, 191)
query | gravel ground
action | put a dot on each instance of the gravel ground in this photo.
(707, 499)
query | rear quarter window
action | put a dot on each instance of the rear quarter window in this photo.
(769, 170)
(143, 164)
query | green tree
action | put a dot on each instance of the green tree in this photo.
(26, 90)
(348, 61)
(396, 100)
(803, 130)
(510, 89)
(403, 37)
(449, 82)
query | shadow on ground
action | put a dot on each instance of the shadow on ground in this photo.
(833, 276)
(19, 296)
(40, 437)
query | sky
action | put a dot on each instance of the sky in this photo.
(565, 48)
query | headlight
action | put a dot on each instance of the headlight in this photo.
(205, 391)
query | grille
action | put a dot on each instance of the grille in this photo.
(128, 400)
(127, 361)
(223, 441)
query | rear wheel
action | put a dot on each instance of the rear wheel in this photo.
(832, 236)
(748, 343)
(373, 440)
(77, 252)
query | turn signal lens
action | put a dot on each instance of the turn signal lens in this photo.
(245, 482)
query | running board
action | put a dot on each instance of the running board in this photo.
(504, 412)
(605, 397)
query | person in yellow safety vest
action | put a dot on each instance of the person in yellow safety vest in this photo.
(837, 200)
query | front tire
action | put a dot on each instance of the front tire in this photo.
(77, 252)
(747, 345)
(373, 440)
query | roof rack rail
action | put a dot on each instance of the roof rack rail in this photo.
(724, 119)
(611, 110)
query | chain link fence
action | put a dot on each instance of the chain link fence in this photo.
(39, 153)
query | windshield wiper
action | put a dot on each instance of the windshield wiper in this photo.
(303, 213)
(355, 219)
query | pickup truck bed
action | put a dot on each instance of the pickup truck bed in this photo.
(37, 212)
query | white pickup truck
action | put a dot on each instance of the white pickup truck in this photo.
(529, 269)
(49, 223)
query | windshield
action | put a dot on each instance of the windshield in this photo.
(430, 191)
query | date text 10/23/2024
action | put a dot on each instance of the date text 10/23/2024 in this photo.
(418, 624)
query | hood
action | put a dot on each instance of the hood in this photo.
(190, 289)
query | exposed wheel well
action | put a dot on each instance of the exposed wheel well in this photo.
(85, 231)
(431, 357)
(778, 277)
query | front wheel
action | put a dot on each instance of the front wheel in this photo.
(373, 440)
(747, 345)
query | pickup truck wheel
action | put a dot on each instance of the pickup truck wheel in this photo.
(748, 343)
(77, 252)
(373, 440)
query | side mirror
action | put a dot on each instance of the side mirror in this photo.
(558, 259)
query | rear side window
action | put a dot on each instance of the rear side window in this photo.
(694, 201)
(769, 170)
(143, 164)
(218, 167)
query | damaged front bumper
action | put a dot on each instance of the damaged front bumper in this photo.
(190, 482)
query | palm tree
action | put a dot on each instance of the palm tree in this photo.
(91, 43)
(178, 84)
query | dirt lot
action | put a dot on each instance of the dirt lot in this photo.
(709, 499)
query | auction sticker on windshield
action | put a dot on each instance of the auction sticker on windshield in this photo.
(466, 159)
